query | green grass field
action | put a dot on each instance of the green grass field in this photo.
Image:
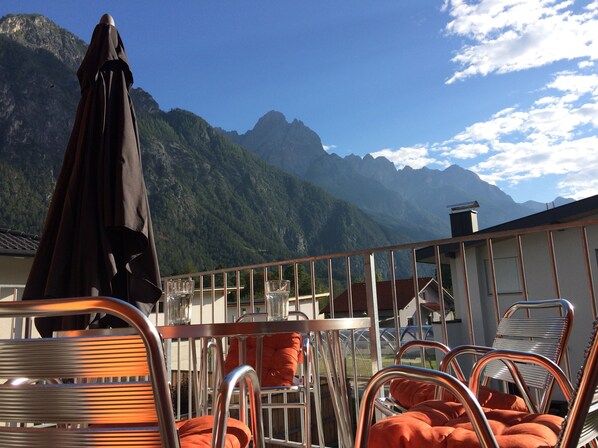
(363, 364)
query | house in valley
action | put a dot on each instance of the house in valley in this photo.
(402, 294)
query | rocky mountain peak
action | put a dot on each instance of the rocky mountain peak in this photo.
(379, 168)
(290, 146)
(38, 32)
(144, 102)
(274, 123)
(271, 119)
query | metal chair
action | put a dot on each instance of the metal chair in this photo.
(427, 424)
(103, 391)
(308, 385)
(523, 327)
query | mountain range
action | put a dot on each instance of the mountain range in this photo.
(218, 198)
(414, 202)
(213, 203)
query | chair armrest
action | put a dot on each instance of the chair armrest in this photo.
(248, 375)
(420, 343)
(450, 358)
(509, 358)
(214, 348)
(446, 350)
(308, 361)
(439, 379)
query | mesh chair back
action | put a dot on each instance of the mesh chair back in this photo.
(308, 385)
(524, 327)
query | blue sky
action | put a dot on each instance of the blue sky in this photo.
(505, 88)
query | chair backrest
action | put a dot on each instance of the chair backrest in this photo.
(79, 391)
(281, 353)
(526, 327)
(581, 423)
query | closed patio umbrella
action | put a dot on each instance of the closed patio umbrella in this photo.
(97, 238)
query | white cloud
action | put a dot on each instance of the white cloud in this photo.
(503, 122)
(328, 148)
(556, 135)
(465, 150)
(513, 35)
(415, 157)
(585, 64)
(580, 184)
(513, 162)
(575, 83)
(551, 118)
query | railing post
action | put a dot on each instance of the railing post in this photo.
(372, 308)
(16, 330)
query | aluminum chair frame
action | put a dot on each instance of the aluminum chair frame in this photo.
(543, 335)
(100, 391)
(579, 428)
(309, 385)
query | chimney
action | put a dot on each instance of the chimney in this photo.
(464, 219)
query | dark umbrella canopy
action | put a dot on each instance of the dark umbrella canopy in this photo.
(97, 237)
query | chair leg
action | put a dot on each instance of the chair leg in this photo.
(318, 409)
(312, 385)
(307, 416)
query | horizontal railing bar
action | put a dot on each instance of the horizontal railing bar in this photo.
(473, 278)
(404, 246)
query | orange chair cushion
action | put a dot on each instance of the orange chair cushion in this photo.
(197, 432)
(409, 393)
(444, 424)
(280, 355)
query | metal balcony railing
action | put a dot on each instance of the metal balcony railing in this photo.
(476, 278)
(452, 290)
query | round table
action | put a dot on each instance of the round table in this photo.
(326, 332)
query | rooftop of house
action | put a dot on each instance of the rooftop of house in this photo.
(17, 243)
(572, 211)
(404, 291)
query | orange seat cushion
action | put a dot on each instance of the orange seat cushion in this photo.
(197, 432)
(280, 356)
(444, 424)
(409, 393)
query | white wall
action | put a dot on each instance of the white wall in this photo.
(13, 271)
(462, 310)
(203, 304)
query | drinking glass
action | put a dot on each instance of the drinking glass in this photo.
(277, 299)
(179, 301)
